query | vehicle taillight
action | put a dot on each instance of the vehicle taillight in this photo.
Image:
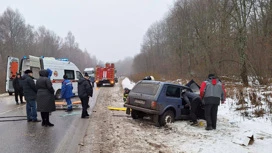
(153, 105)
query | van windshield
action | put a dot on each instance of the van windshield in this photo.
(146, 88)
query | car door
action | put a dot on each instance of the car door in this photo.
(193, 86)
(12, 69)
(172, 98)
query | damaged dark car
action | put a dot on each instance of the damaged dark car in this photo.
(161, 101)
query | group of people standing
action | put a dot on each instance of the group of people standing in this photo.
(41, 93)
(40, 96)
(211, 92)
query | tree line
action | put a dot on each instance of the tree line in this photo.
(17, 39)
(197, 37)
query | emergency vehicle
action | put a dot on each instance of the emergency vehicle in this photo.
(105, 75)
(90, 71)
(58, 66)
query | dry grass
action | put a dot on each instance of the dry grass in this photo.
(259, 112)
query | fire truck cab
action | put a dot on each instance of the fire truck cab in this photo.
(105, 75)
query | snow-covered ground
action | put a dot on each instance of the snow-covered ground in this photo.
(231, 136)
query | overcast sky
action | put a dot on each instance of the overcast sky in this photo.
(109, 29)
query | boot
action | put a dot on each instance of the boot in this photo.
(208, 128)
(49, 124)
(43, 119)
(47, 120)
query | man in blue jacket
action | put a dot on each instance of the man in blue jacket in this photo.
(67, 92)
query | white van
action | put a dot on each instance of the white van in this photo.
(90, 71)
(59, 67)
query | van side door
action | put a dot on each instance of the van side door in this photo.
(12, 69)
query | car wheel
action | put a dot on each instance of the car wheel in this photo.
(10, 93)
(136, 114)
(58, 94)
(167, 117)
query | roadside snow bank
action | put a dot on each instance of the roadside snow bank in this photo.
(232, 130)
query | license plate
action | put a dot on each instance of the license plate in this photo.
(139, 101)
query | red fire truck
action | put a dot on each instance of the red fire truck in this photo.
(105, 75)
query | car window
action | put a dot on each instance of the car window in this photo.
(70, 74)
(173, 91)
(79, 75)
(146, 88)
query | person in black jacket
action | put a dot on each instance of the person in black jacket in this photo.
(194, 102)
(30, 93)
(45, 97)
(85, 91)
(18, 89)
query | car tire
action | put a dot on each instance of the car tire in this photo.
(10, 93)
(167, 117)
(58, 94)
(136, 114)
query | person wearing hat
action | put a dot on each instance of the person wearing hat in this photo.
(67, 92)
(211, 92)
(18, 89)
(85, 91)
(30, 93)
(193, 101)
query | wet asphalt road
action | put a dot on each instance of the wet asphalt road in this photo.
(29, 137)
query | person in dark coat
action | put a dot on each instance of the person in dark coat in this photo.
(194, 102)
(45, 97)
(85, 91)
(211, 92)
(125, 96)
(18, 88)
(67, 92)
(30, 93)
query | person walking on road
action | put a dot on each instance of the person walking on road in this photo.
(84, 92)
(45, 97)
(67, 92)
(194, 102)
(211, 92)
(18, 89)
(30, 93)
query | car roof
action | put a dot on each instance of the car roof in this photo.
(163, 83)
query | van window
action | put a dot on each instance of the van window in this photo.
(70, 74)
(79, 75)
(173, 91)
(146, 88)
